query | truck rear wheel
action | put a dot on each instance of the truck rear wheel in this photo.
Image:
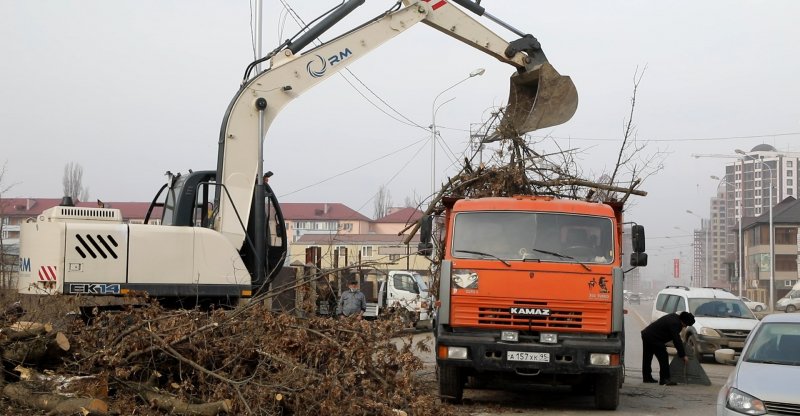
(451, 383)
(606, 392)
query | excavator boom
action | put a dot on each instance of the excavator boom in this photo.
(540, 97)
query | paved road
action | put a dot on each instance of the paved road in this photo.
(637, 398)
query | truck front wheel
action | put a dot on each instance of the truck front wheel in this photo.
(451, 383)
(606, 392)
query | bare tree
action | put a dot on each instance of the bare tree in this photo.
(632, 160)
(412, 201)
(517, 167)
(7, 260)
(383, 201)
(73, 182)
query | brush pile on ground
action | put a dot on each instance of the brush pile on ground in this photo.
(148, 360)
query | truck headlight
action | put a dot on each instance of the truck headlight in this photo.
(510, 336)
(709, 332)
(744, 403)
(599, 359)
(548, 338)
(457, 353)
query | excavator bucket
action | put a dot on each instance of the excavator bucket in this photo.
(538, 99)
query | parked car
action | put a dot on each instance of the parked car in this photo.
(753, 305)
(634, 299)
(722, 320)
(765, 378)
(791, 302)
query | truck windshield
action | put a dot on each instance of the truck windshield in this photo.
(534, 236)
(420, 282)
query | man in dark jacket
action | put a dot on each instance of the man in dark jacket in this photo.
(659, 332)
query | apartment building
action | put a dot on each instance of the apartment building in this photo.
(743, 194)
(758, 264)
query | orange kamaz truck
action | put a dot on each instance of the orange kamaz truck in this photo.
(531, 292)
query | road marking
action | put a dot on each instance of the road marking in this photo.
(644, 323)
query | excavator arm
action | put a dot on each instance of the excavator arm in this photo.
(539, 96)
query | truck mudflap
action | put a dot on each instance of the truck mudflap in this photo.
(485, 353)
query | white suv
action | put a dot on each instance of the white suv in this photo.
(722, 320)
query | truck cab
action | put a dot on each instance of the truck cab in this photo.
(406, 291)
(531, 290)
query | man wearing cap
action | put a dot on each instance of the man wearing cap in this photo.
(352, 302)
(659, 332)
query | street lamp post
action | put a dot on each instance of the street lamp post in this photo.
(771, 231)
(705, 251)
(771, 239)
(474, 73)
(690, 279)
(741, 238)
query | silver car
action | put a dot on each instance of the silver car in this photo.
(754, 305)
(764, 381)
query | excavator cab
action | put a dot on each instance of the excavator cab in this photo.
(189, 202)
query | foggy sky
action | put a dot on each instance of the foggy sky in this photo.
(130, 90)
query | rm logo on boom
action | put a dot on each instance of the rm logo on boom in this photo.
(317, 67)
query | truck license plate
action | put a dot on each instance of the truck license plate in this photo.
(536, 357)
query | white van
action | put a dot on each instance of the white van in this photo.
(722, 320)
(405, 291)
(790, 302)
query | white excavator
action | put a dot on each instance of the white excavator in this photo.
(221, 235)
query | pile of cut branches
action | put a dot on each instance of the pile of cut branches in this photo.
(148, 360)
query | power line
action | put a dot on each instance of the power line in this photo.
(354, 168)
(676, 139)
(300, 22)
(402, 168)
(694, 139)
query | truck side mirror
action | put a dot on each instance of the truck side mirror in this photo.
(637, 238)
(638, 259)
(425, 247)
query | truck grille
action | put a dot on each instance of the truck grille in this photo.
(779, 408)
(564, 315)
(738, 334)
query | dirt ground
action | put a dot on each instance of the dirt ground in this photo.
(636, 398)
